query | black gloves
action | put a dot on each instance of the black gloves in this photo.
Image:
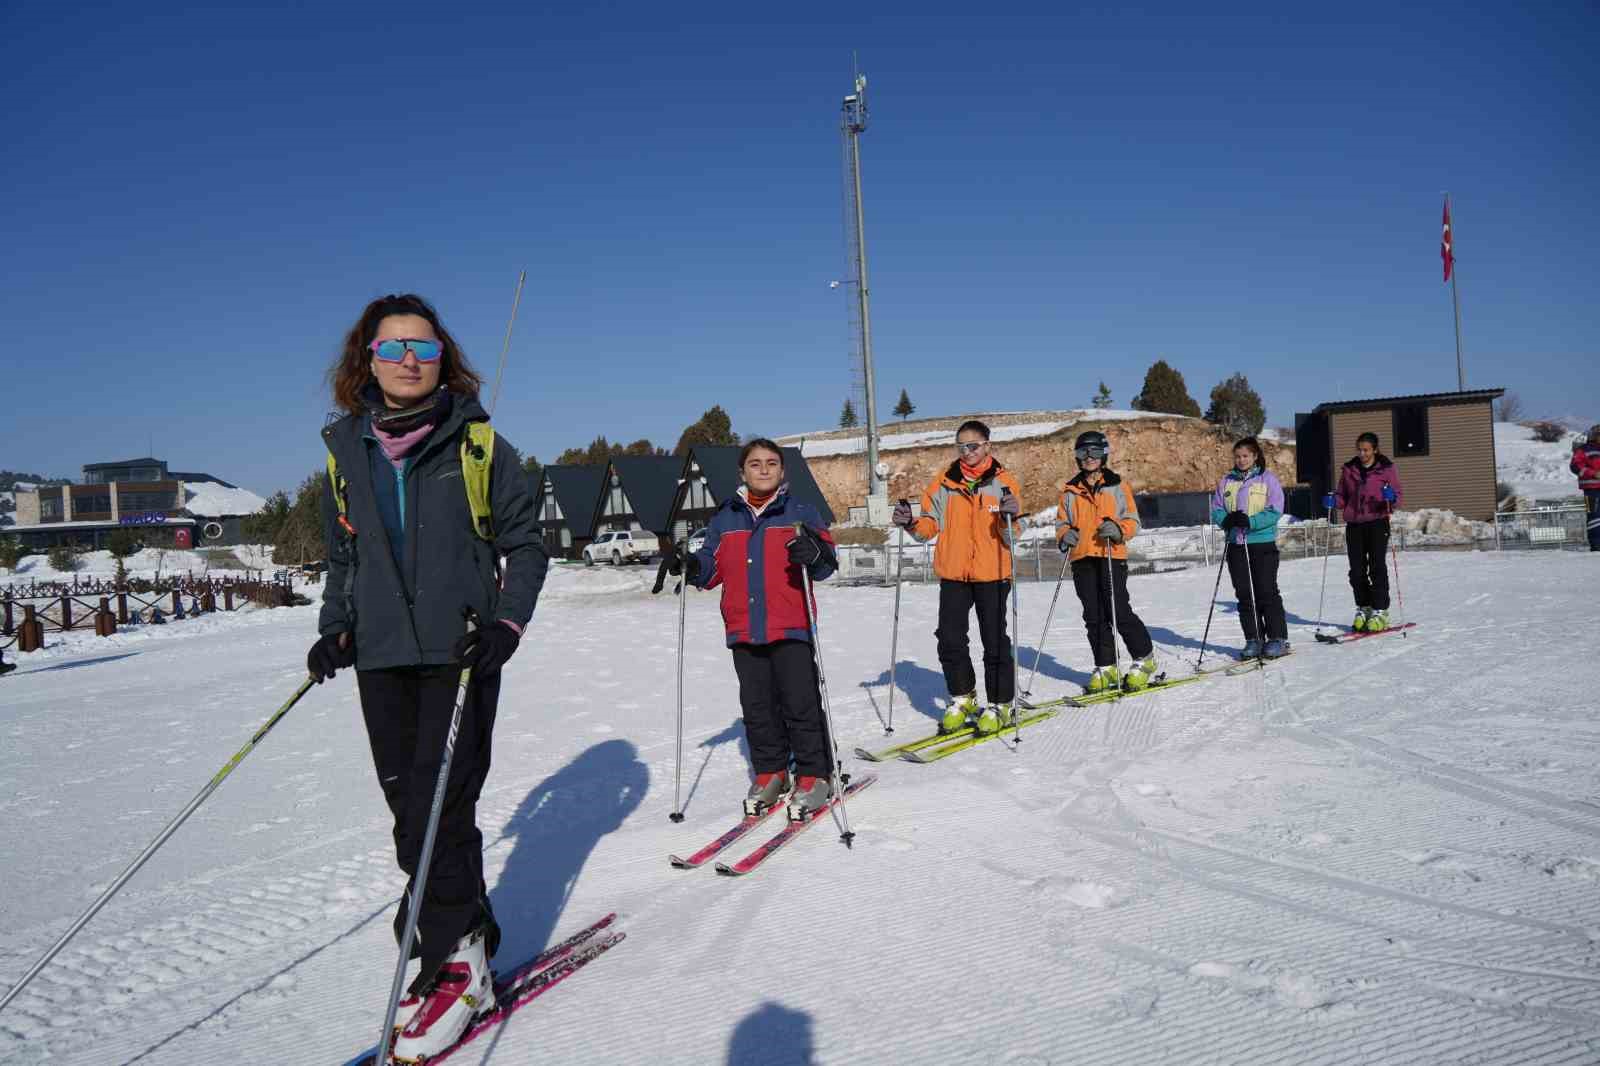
(681, 562)
(1236, 520)
(328, 656)
(806, 549)
(486, 650)
(1068, 541)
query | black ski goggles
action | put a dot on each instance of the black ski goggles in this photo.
(1091, 451)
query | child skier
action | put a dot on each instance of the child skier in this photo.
(1586, 464)
(1369, 490)
(753, 550)
(1247, 505)
(1096, 519)
(966, 507)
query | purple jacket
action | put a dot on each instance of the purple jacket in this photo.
(1360, 491)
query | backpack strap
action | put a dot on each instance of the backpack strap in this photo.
(339, 486)
(477, 453)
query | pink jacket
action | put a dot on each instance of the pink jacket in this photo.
(1360, 491)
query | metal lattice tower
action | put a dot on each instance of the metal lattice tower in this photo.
(862, 380)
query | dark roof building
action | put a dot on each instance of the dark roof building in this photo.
(638, 493)
(564, 505)
(1442, 445)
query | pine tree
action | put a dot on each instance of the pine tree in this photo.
(1102, 399)
(847, 417)
(1236, 407)
(713, 427)
(1165, 392)
(534, 470)
(905, 408)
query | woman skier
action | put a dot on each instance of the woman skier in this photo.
(408, 560)
(1368, 492)
(754, 551)
(966, 508)
(1247, 505)
(1094, 522)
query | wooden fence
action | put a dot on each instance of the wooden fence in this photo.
(30, 610)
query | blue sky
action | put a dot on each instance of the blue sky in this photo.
(198, 201)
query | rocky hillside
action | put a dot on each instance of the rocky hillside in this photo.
(1155, 452)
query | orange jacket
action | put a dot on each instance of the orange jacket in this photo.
(972, 534)
(1083, 507)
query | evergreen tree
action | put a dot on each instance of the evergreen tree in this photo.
(1102, 399)
(1165, 392)
(905, 407)
(10, 552)
(847, 417)
(64, 559)
(713, 427)
(1236, 407)
(262, 527)
(534, 470)
(299, 537)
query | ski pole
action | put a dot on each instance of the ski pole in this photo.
(172, 827)
(1111, 587)
(1206, 637)
(822, 690)
(1066, 561)
(419, 883)
(1327, 550)
(1399, 596)
(894, 634)
(683, 599)
(1016, 625)
(1255, 605)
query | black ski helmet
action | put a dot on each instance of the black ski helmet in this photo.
(1088, 443)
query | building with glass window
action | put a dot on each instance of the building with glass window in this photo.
(1442, 444)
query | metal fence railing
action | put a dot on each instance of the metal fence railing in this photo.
(1546, 527)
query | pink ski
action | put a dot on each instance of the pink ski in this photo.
(1346, 636)
(711, 850)
(789, 832)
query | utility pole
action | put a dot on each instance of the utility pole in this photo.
(853, 123)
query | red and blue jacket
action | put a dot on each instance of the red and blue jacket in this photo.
(763, 596)
(1586, 464)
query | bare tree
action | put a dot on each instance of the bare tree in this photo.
(1509, 408)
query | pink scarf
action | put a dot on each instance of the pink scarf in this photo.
(396, 446)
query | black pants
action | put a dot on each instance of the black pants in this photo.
(1089, 578)
(957, 599)
(407, 711)
(1261, 615)
(1366, 543)
(1592, 497)
(782, 709)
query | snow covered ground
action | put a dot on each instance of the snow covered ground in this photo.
(1386, 852)
(1533, 468)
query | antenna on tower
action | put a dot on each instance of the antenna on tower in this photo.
(853, 123)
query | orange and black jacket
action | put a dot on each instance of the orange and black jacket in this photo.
(965, 517)
(1084, 505)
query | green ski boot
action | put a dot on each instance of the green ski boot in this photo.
(1104, 679)
(1377, 621)
(1360, 624)
(994, 718)
(1140, 674)
(961, 711)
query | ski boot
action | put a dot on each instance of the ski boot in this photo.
(1377, 621)
(1252, 650)
(994, 718)
(462, 991)
(1104, 679)
(1275, 649)
(1141, 674)
(1360, 623)
(766, 792)
(810, 795)
(962, 710)
(6, 668)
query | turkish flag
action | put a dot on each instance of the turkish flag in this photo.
(1445, 242)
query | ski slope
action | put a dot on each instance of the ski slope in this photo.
(1386, 852)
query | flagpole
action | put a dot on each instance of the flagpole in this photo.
(1455, 302)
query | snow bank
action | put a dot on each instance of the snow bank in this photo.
(143, 563)
(1532, 468)
(207, 499)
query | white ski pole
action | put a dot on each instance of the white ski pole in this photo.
(894, 637)
(1038, 653)
(822, 691)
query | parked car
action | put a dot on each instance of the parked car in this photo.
(622, 546)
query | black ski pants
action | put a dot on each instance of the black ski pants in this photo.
(1366, 543)
(1094, 592)
(1260, 616)
(957, 600)
(1592, 498)
(782, 709)
(407, 711)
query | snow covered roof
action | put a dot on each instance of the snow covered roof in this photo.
(212, 499)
